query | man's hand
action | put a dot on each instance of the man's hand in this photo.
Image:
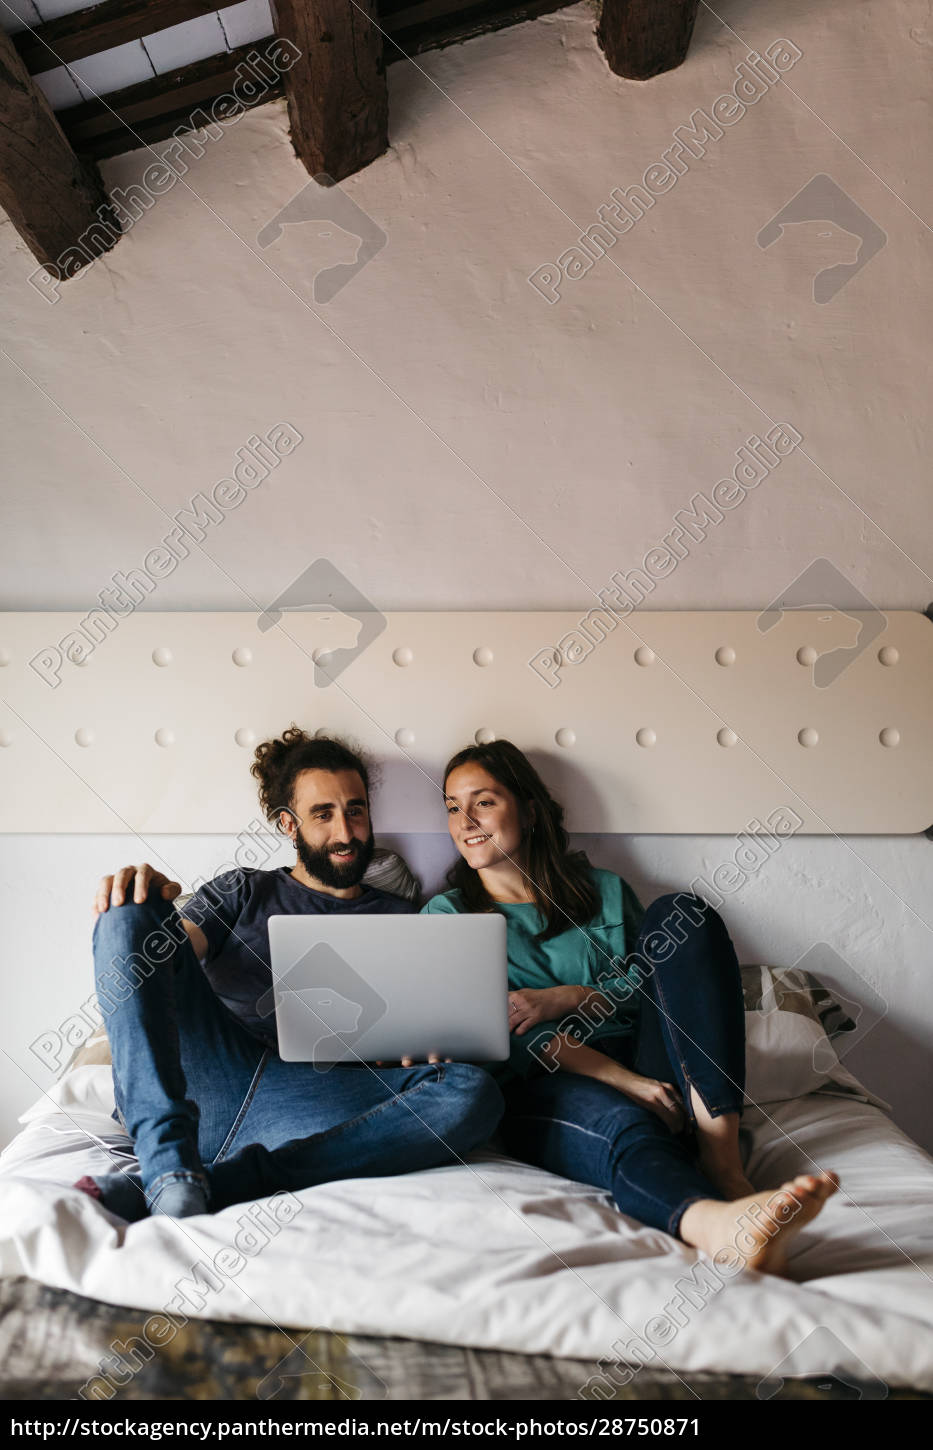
(132, 883)
(532, 1005)
(409, 1061)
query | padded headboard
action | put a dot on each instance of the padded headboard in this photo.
(679, 722)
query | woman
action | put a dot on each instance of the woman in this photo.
(628, 1074)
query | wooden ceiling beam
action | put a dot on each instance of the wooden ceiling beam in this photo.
(642, 38)
(151, 110)
(416, 24)
(55, 201)
(420, 25)
(101, 27)
(338, 106)
(113, 124)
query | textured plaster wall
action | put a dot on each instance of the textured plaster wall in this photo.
(469, 444)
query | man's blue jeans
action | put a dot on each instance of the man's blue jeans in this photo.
(691, 1029)
(206, 1102)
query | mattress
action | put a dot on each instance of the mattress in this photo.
(496, 1254)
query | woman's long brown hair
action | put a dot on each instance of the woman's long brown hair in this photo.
(558, 878)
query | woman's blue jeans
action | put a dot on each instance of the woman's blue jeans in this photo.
(691, 1030)
(204, 1101)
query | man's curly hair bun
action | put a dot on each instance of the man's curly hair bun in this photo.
(277, 764)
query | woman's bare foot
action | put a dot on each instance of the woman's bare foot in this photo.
(760, 1226)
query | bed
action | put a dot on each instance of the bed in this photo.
(491, 1279)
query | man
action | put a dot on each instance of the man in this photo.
(215, 1114)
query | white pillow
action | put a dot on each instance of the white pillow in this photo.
(84, 1090)
(788, 1052)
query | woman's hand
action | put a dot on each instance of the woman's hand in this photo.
(532, 1005)
(661, 1098)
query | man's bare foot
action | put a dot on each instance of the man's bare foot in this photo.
(758, 1227)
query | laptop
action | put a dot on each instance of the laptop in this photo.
(365, 988)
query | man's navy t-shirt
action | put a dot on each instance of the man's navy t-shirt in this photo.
(233, 912)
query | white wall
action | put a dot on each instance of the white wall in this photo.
(469, 446)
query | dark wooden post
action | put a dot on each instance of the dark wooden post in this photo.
(642, 38)
(337, 99)
(55, 203)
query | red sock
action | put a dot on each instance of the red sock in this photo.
(87, 1185)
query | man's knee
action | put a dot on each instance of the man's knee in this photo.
(133, 917)
(132, 941)
(478, 1097)
(154, 911)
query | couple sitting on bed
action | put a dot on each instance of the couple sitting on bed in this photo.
(627, 1065)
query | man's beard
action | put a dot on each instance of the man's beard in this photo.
(323, 867)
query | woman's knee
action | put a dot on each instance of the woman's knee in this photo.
(673, 919)
(636, 1132)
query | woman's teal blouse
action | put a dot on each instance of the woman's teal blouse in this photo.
(591, 955)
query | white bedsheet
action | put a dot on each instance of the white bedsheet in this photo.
(495, 1254)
